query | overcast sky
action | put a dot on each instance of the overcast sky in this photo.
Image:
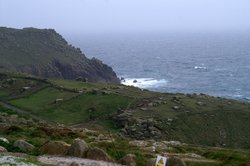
(126, 15)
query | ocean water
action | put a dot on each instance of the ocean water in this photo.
(217, 64)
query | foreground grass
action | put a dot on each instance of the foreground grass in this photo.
(225, 157)
(40, 134)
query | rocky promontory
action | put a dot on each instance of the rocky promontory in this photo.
(45, 53)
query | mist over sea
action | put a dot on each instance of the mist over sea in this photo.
(217, 64)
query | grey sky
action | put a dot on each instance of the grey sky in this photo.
(126, 15)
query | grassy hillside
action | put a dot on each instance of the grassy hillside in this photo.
(34, 43)
(37, 132)
(139, 114)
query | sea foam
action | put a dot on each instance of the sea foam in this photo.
(144, 83)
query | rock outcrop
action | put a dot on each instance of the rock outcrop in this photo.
(78, 148)
(2, 149)
(5, 140)
(98, 154)
(45, 53)
(135, 127)
(23, 145)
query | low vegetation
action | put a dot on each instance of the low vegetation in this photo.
(213, 128)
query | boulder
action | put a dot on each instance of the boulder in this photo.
(2, 149)
(160, 146)
(58, 100)
(144, 109)
(139, 143)
(98, 154)
(26, 88)
(4, 140)
(78, 148)
(74, 164)
(129, 160)
(55, 148)
(175, 161)
(23, 145)
(173, 143)
(200, 103)
(176, 107)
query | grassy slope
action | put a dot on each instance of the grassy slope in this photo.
(42, 100)
(12, 87)
(77, 110)
(217, 122)
(24, 48)
(38, 136)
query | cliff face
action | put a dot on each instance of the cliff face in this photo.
(45, 53)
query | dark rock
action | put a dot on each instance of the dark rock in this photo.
(123, 119)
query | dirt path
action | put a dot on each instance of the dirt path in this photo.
(73, 161)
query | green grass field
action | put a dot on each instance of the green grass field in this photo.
(86, 108)
(194, 119)
(42, 100)
(120, 147)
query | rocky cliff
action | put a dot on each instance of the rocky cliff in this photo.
(45, 53)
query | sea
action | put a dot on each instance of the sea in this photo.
(217, 64)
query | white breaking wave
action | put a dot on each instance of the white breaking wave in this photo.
(237, 96)
(200, 67)
(144, 83)
(247, 98)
